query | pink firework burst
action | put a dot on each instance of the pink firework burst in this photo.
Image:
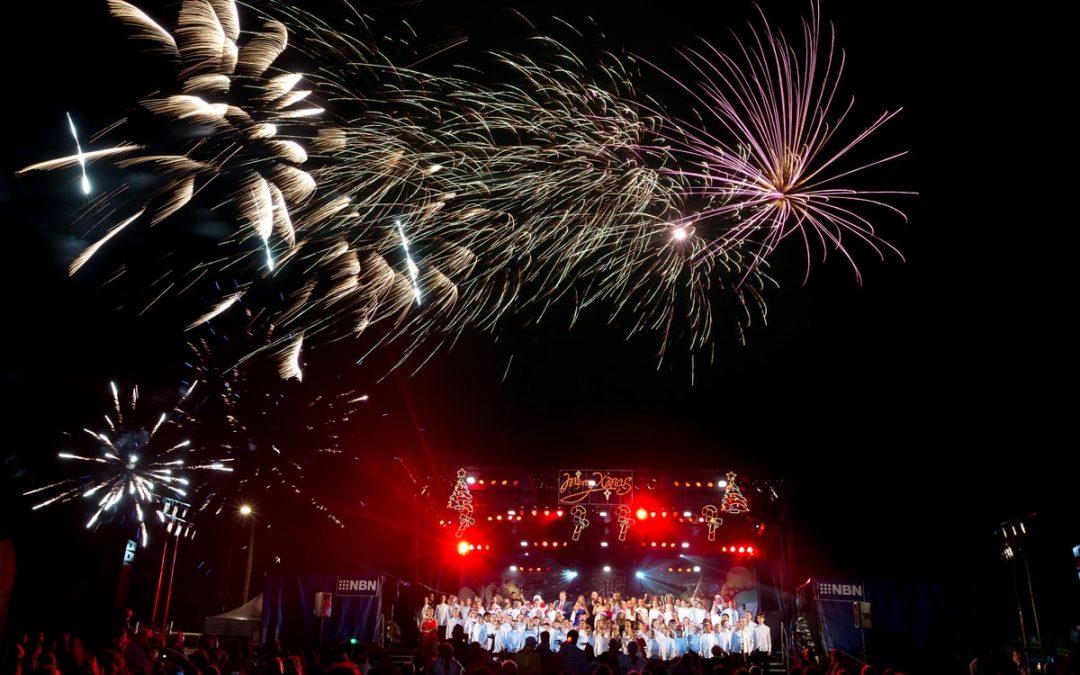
(777, 162)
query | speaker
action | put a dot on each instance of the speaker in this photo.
(862, 614)
(324, 603)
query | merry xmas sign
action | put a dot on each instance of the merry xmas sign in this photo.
(596, 487)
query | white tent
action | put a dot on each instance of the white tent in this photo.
(244, 621)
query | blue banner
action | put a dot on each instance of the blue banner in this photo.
(353, 601)
(836, 600)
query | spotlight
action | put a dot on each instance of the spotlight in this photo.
(750, 549)
(603, 514)
(471, 480)
(603, 544)
(463, 547)
(524, 544)
(721, 483)
(697, 568)
(742, 549)
(513, 568)
(558, 513)
(607, 568)
(569, 575)
(686, 514)
(639, 574)
(642, 514)
(686, 544)
(511, 512)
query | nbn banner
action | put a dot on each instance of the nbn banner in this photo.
(289, 607)
(836, 598)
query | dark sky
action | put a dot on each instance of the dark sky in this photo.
(912, 414)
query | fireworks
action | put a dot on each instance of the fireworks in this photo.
(276, 434)
(376, 200)
(132, 467)
(770, 156)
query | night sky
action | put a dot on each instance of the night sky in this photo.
(910, 415)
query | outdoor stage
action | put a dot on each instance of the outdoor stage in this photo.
(528, 532)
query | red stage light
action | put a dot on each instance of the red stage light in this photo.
(654, 544)
(742, 549)
(481, 481)
(463, 547)
(546, 512)
(663, 544)
(698, 484)
(724, 549)
(534, 512)
(663, 514)
(498, 517)
(652, 514)
(750, 550)
(504, 483)
(676, 483)
(559, 513)
(544, 543)
(642, 514)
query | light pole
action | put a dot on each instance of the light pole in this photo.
(174, 514)
(1016, 540)
(247, 512)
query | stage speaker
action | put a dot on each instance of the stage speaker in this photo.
(324, 603)
(862, 615)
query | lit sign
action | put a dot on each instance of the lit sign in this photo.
(357, 586)
(596, 487)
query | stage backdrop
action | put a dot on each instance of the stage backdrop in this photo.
(352, 600)
(836, 598)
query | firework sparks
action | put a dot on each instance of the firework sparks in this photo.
(131, 466)
(85, 183)
(774, 164)
(274, 432)
(550, 183)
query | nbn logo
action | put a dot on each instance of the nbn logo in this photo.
(357, 585)
(848, 590)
